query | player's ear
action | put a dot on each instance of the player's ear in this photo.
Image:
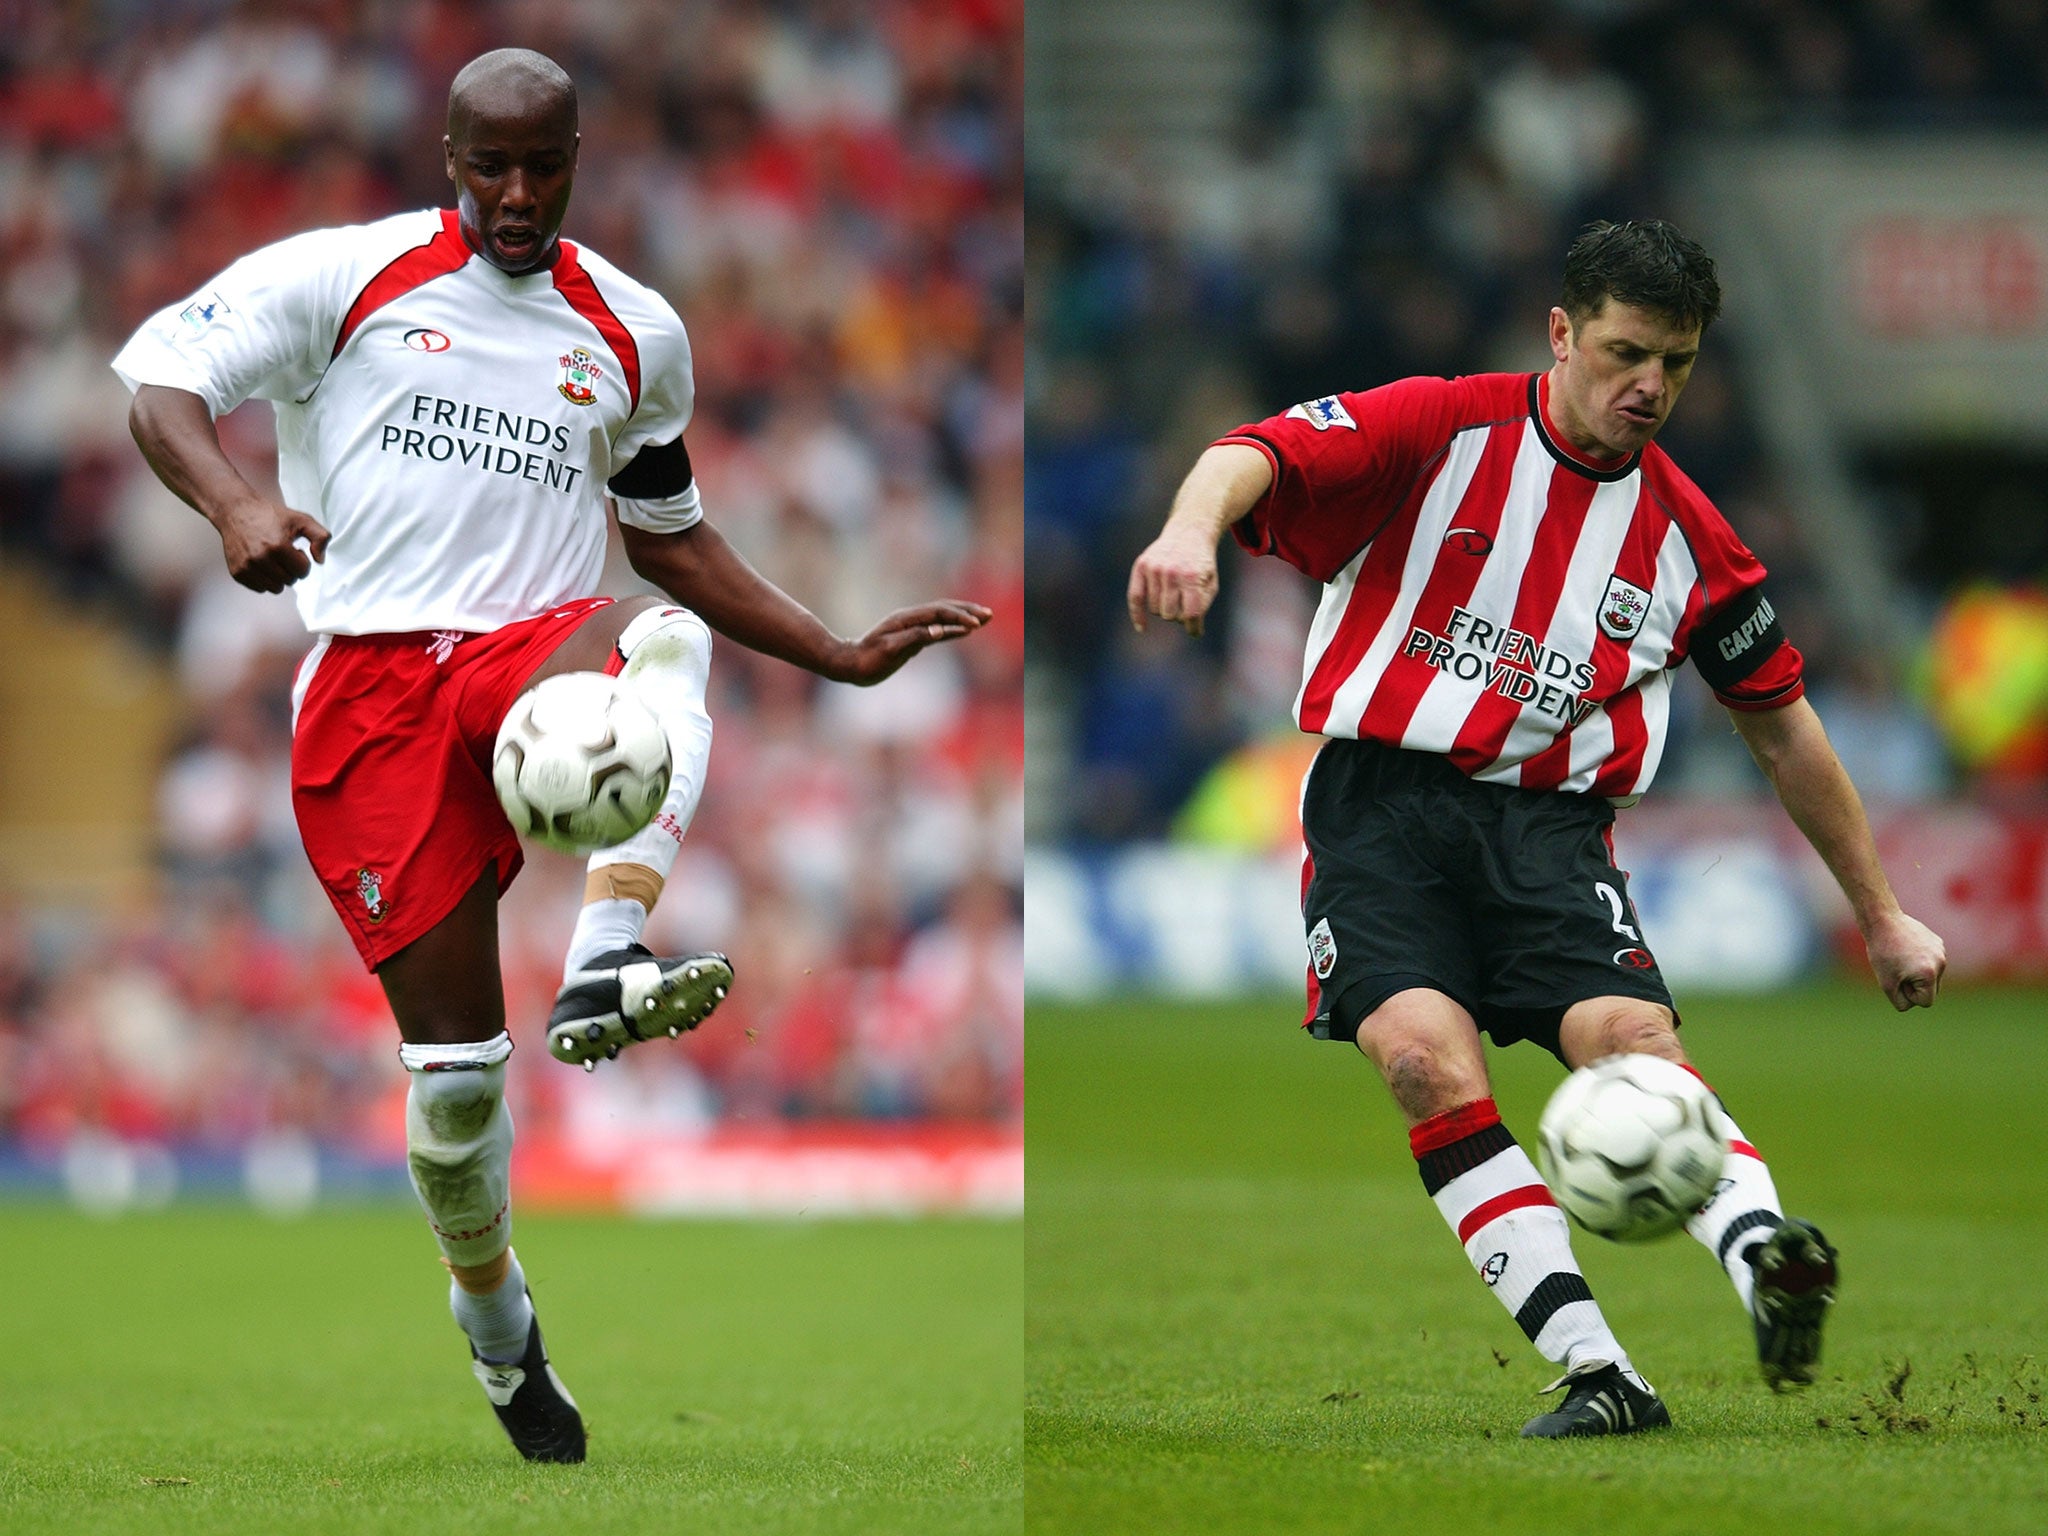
(1560, 333)
(448, 155)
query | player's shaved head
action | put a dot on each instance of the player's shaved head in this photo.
(511, 152)
(510, 85)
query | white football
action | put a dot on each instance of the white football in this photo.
(581, 762)
(1632, 1146)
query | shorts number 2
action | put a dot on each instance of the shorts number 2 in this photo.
(1612, 897)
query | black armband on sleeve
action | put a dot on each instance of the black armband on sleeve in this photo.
(1736, 639)
(658, 471)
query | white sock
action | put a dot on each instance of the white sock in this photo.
(496, 1322)
(458, 1145)
(1743, 1211)
(667, 655)
(1513, 1232)
(603, 925)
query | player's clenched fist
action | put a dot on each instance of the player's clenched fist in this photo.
(1175, 578)
(1908, 959)
(260, 539)
(1176, 575)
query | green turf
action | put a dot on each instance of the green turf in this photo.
(1243, 1315)
(212, 1371)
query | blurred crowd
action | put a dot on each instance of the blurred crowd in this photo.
(1396, 199)
(831, 194)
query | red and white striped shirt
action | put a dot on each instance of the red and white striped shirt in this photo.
(1495, 596)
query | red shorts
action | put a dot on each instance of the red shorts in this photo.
(391, 768)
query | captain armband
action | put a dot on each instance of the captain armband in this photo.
(1741, 651)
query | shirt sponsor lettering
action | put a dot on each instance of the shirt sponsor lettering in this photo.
(1515, 665)
(485, 439)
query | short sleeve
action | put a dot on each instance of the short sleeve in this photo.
(1341, 465)
(1734, 639)
(663, 497)
(264, 329)
(1741, 650)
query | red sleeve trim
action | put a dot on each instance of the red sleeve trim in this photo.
(574, 284)
(1781, 680)
(1248, 530)
(446, 252)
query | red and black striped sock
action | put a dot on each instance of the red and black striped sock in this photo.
(1513, 1231)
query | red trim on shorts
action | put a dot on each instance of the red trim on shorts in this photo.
(1452, 1125)
(575, 285)
(1500, 1205)
(446, 252)
(1745, 1149)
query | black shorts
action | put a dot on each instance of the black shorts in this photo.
(1506, 900)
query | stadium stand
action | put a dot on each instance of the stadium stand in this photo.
(1272, 202)
(831, 195)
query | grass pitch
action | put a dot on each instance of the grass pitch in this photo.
(1244, 1316)
(206, 1370)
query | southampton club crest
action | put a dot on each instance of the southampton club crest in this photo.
(580, 374)
(370, 886)
(1623, 609)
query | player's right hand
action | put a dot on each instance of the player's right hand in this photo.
(1175, 578)
(261, 537)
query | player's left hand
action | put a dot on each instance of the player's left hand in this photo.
(878, 653)
(1908, 958)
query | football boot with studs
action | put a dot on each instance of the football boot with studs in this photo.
(1795, 1286)
(630, 995)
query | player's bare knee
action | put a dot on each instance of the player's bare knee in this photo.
(1621, 1027)
(1422, 1081)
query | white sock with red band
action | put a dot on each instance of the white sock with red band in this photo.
(1513, 1232)
(1743, 1211)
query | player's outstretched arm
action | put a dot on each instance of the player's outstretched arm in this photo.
(1793, 751)
(700, 570)
(259, 537)
(1176, 577)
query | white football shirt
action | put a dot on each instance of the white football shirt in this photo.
(453, 426)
